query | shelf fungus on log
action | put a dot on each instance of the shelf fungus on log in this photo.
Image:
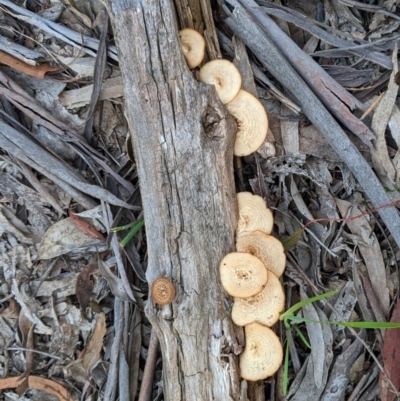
(263, 353)
(224, 76)
(263, 307)
(266, 247)
(253, 214)
(242, 274)
(193, 47)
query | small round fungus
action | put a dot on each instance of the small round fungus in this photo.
(252, 122)
(263, 353)
(242, 274)
(193, 47)
(224, 76)
(263, 307)
(253, 214)
(163, 291)
(266, 247)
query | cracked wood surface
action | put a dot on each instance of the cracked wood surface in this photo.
(183, 143)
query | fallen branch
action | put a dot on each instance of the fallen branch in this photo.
(148, 374)
(244, 26)
(82, 42)
(332, 94)
(25, 149)
(368, 50)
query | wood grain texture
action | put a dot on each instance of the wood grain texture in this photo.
(183, 143)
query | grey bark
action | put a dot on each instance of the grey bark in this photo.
(183, 140)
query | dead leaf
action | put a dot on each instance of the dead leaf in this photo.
(291, 241)
(84, 285)
(26, 328)
(12, 310)
(61, 238)
(38, 383)
(391, 358)
(38, 71)
(380, 156)
(344, 305)
(370, 251)
(86, 227)
(91, 354)
(115, 283)
(81, 16)
(310, 382)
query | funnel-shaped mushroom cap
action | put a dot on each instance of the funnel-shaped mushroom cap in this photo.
(252, 122)
(263, 307)
(253, 214)
(263, 354)
(266, 247)
(224, 76)
(242, 274)
(193, 47)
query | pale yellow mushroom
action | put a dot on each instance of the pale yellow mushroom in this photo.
(253, 214)
(242, 274)
(266, 247)
(263, 307)
(224, 76)
(263, 353)
(252, 122)
(193, 47)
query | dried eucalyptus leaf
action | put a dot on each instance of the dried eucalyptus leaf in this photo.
(64, 237)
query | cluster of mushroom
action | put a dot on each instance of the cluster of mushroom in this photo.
(250, 275)
(250, 115)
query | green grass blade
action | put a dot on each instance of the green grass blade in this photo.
(355, 325)
(301, 335)
(300, 304)
(122, 228)
(138, 225)
(370, 325)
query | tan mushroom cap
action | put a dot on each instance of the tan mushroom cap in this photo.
(163, 291)
(224, 76)
(252, 122)
(266, 247)
(253, 214)
(242, 274)
(193, 47)
(262, 355)
(263, 307)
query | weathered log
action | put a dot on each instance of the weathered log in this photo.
(183, 144)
